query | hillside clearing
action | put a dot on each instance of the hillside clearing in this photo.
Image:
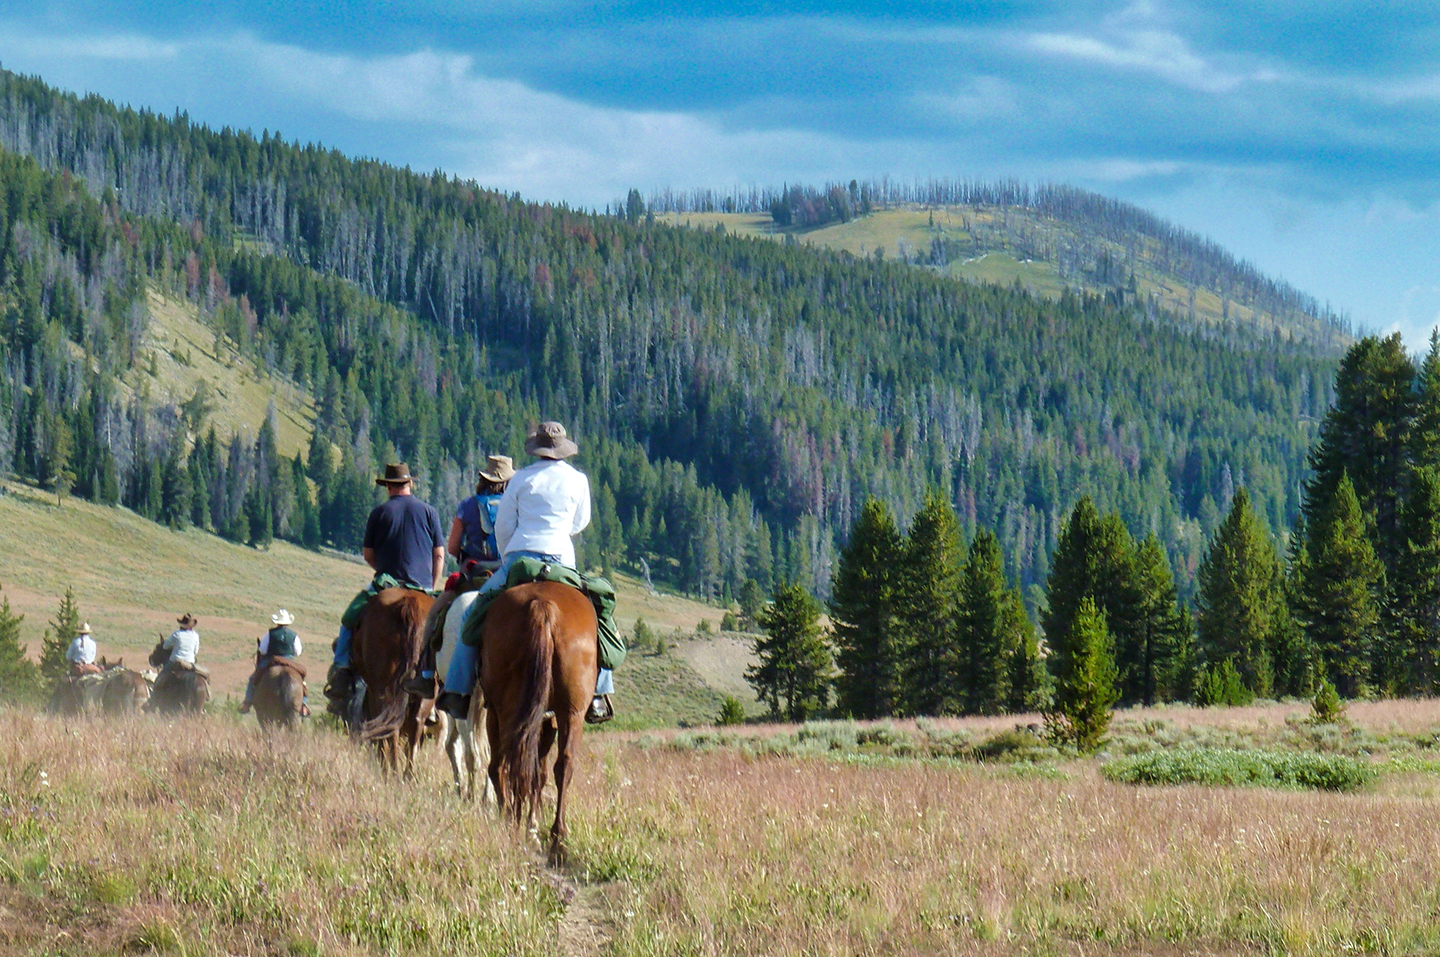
(132, 578)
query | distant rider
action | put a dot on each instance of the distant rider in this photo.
(183, 645)
(403, 539)
(81, 654)
(279, 642)
(472, 543)
(545, 505)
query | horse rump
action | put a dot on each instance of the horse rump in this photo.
(386, 723)
(279, 691)
(521, 771)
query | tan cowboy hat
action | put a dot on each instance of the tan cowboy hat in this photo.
(187, 620)
(395, 475)
(282, 617)
(549, 441)
(499, 469)
(84, 629)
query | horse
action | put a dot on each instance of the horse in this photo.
(538, 654)
(188, 687)
(77, 694)
(386, 650)
(464, 751)
(124, 691)
(279, 694)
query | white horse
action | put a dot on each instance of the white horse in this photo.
(466, 751)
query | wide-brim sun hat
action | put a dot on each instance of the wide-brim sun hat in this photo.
(395, 475)
(498, 469)
(549, 441)
(282, 617)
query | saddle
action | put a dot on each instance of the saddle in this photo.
(279, 660)
(200, 670)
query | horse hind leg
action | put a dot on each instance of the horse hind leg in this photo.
(570, 729)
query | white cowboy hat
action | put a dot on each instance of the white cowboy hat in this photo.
(84, 629)
(282, 617)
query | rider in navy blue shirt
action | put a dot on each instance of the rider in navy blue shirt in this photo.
(403, 539)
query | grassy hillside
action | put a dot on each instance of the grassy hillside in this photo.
(182, 352)
(992, 239)
(132, 578)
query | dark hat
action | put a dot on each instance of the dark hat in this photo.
(395, 475)
(188, 620)
(549, 441)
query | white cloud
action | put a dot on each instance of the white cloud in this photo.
(1157, 52)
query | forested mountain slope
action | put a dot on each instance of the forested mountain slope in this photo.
(1046, 239)
(736, 400)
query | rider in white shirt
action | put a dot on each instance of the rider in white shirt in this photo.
(544, 506)
(81, 652)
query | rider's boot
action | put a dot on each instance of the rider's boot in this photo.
(337, 689)
(600, 710)
(422, 685)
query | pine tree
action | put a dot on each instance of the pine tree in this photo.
(1095, 559)
(793, 663)
(1240, 598)
(1085, 686)
(1027, 682)
(1159, 625)
(1366, 436)
(927, 598)
(1412, 612)
(1425, 431)
(862, 615)
(19, 677)
(56, 640)
(982, 632)
(1339, 580)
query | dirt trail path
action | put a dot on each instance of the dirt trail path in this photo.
(585, 930)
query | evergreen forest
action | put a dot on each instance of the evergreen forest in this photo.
(737, 401)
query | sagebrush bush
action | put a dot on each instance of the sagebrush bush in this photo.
(1228, 767)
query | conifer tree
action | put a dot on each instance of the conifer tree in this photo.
(19, 677)
(1240, 599)
(1159, 625)
(982, 632)
(1085, 685)
(1367, 436)
(1026, 681)
(793, 663)
(62, 630)
(1412, 613)
(1425, 428)
(862, 615)
(927, 605)
(1094, 558)
(1338, 584)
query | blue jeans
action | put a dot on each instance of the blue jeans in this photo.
(460, 678)
(342, 648)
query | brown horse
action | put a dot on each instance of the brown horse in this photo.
(279, 694)
(124, 692)
(186, 689)
(538, 655)
(386, 649)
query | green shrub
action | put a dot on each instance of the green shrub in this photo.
(704, 628)
(730, 621)
(732, 711)
(1326, 705)
(1233, 768)
(1016, 744)
(1222, 685)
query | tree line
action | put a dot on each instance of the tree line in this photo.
(924, 625)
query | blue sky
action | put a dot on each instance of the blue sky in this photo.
(1303, 136)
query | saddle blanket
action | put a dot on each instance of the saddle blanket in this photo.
(600, 592)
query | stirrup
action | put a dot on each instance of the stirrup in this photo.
(599, 715)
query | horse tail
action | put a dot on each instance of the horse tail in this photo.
(397, 701)
(520, 764)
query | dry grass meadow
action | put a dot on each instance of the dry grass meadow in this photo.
(203, 837)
